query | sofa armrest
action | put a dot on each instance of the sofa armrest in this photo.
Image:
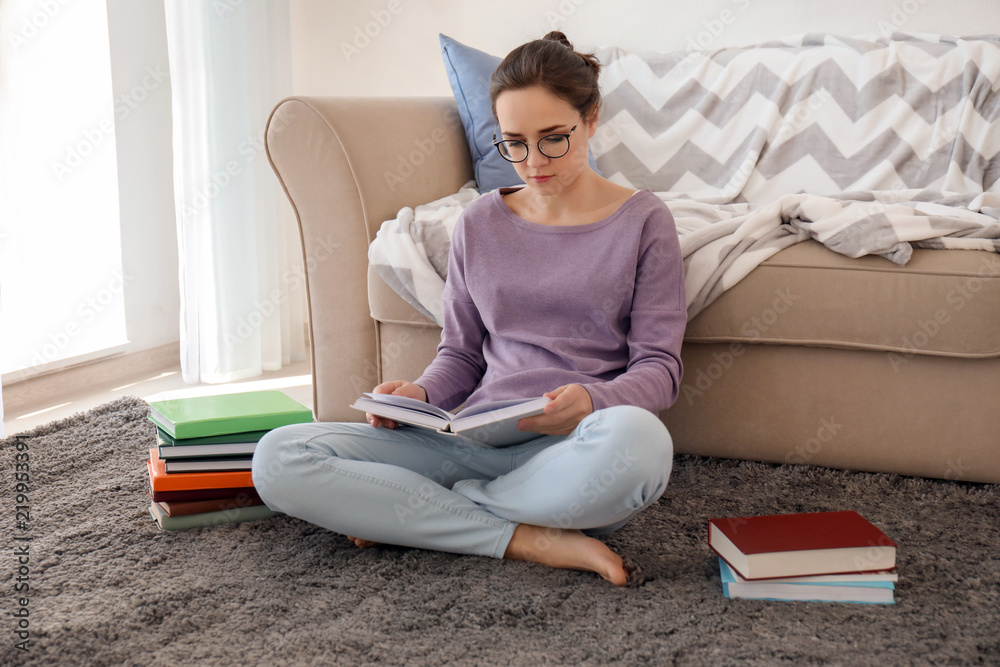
(347, 165)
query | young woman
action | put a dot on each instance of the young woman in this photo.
(570, 287)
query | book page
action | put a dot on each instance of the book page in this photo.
(411, 404)
(490, 407)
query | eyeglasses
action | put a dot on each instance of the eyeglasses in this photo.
(551, 146)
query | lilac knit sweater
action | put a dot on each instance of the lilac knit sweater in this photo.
(531, 307)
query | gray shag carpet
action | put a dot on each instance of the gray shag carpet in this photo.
(108, 588)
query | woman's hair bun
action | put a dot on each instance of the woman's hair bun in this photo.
(557, 36)
(571, 76)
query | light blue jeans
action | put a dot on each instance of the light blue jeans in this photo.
(418, 488)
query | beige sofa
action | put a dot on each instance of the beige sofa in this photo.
(813, 358)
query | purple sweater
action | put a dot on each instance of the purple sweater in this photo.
(531, 307)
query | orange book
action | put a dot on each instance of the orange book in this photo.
(187, 481)
(193, 494)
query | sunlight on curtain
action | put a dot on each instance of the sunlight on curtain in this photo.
(242, 299)
(61, 282)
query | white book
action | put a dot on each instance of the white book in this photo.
(859, 578)
(493, 424)
(208, 464)
(220, 450)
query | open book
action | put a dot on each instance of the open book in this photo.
(493, 424)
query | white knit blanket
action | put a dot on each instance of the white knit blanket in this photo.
(720, 243)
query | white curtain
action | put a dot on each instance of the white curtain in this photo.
(242, 297)
(2, 64)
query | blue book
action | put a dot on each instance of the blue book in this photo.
(856, 588)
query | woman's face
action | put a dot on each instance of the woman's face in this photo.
(528, 115)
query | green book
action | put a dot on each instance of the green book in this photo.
(229, 445)
(164, 439)
(209, 519)
(204, 416)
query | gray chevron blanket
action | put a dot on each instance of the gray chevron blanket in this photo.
(871, 147)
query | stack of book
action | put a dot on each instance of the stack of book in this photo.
(199, 474)
(827, 556)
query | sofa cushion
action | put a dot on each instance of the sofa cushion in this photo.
(942, 303)
(469, 71)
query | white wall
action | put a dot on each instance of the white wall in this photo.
(390, 47)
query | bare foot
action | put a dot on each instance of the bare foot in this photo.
(362, 544)
(566, 549)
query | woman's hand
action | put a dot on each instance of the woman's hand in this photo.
(570, 404)
(397, 388)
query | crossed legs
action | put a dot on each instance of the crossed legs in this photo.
(539, 501)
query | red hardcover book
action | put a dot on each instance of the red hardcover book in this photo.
(189, 481)
(197, 494)
(793, 545)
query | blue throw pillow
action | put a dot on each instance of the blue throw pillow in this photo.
(469, 71)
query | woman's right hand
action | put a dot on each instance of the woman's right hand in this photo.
(397, 388)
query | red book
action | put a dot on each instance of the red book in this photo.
(160, 480)
(197, 494)
(794, 545)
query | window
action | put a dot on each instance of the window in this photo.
(61, 280)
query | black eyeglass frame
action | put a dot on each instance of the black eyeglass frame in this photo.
(527, 147)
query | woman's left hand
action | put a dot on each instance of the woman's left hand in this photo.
(570, 404)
